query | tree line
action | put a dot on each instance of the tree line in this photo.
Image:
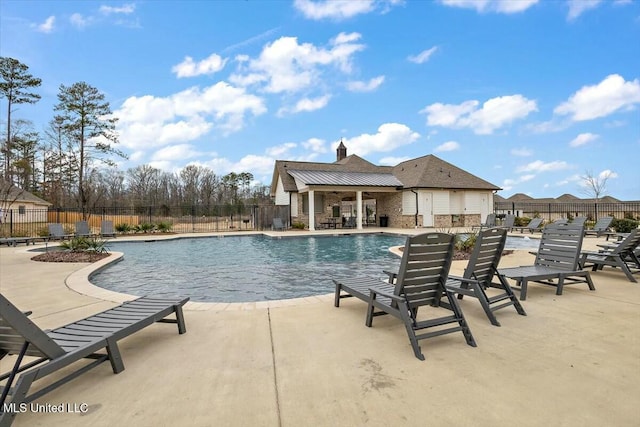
(73, 161)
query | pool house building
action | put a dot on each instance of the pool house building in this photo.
(422, 192)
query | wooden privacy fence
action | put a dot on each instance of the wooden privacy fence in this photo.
(94, 220)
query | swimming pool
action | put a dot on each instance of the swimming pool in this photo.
(244, 268)
(251, 268)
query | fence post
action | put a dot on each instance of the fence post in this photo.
(595, 209)
(10, 222)
(193, 218)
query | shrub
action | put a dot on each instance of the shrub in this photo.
(123, 228)
(521, 221)
(624, 225)
(85, 244)
(164, 227)
(466, 242)
(144, 227)
(298, 225)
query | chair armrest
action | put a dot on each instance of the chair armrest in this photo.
(384, 293)
(462, 279)
(392, 275)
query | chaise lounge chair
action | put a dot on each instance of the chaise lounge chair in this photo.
(106, 229)
(622, 255)
(277, 224)
(509, 220)
(488, 223)
(479, 274)
(82, 229)
(57, 232)
(557, 259)
(57, 349)
(420, 282)
(601, 228)
(534, 225)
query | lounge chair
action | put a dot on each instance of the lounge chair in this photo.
(57, 232)
(579, 220)
(82, 229)
(489, 222)
(106, 229)
(508, 222)
(556, 263)
(479, 274)
(420, 282)
(534, 225)
(55, 350)
(601, 228)
(622, 255)
(277, 224)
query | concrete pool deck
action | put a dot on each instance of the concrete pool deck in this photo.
(573, 361)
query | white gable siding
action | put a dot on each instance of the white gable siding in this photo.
(282, 197)
(408, 203)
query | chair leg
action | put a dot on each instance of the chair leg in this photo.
(370, 308)
(114, 356)
(623, 266)
(408, 322)
(457, 311)
(560, 285)
(336, 302)
(522, 283)
(182, 328)
(589, 281)
(484, 302)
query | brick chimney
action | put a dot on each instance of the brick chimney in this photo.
(341, 152)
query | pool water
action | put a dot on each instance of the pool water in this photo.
(245, 268)
(251, 268)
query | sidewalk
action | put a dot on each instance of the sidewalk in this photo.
(573, 361)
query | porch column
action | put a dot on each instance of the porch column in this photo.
(312, 211)
(359, 210)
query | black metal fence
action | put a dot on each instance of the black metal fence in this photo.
(552, 211)
(179, 219)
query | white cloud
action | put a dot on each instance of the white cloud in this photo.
(315, 145)
(149, 121)
(610, 95)
(607, 174)
(337, 9)
(189, 68)
(521, 152)
(582, 139)
(47, 26)
(287, 66)
(540, 166)
(173, 152)
(392, 161)
(577, 7)
(423, 56)
(125, 9)
(498, 6)
(389, 137)
(282, 150)
(447, 146)
(305, 105)
(510, 183)
(79, 21)
(494, 113)
(371, 85)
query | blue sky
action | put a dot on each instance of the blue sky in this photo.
(529, 95)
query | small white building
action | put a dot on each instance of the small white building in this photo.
(422, 192)
(20, 206)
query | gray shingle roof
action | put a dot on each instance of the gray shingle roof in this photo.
(345, 178)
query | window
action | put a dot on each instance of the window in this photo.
(22, 210)
(318, 201)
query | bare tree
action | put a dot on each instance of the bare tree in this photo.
(595, 186)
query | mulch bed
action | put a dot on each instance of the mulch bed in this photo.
(62, 256)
